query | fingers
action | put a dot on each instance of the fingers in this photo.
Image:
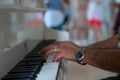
(57, 57)
(53, 48)
(48, 52)
(49, 47)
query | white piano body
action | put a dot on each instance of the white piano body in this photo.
(17, 39)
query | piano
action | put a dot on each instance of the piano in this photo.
(24, 63)
(33, 67)
(18, 57)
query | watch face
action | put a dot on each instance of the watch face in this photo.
(79, 54)
(79, 57)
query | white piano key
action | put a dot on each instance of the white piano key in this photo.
(49, 69)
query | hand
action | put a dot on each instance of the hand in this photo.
(64, 49)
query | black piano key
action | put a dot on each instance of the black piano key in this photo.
(26, 68)
(20, 75)
(43, 44)
(33, 53)
(40, 46)
(30, 66)
(40, 63)
(33, 58)
(17, 79)
(22, 69)
(37, 49)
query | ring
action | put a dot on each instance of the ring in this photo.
(55, 49)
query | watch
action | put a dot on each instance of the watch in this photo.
(79, 55)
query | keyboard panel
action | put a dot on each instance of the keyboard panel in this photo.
(31, 65)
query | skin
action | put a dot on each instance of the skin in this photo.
(104, 54)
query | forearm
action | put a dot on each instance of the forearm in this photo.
(109, 43)
(107, 59)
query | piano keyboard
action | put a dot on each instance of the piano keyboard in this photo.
(49, 70)
(34, 67)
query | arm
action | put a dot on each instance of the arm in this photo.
(104, 54)
(107, 59)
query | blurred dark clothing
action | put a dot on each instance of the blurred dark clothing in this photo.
(54, 16)
(53, 4)
(117, 23)
(68, 14)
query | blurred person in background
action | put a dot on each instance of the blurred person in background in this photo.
(58, 13)
(67, 10)
(80, 27)
(117, 23)
(68, 14)
(117, 18)
(95, 18)
(54, 15)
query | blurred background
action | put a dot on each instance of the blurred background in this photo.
(86, 21)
